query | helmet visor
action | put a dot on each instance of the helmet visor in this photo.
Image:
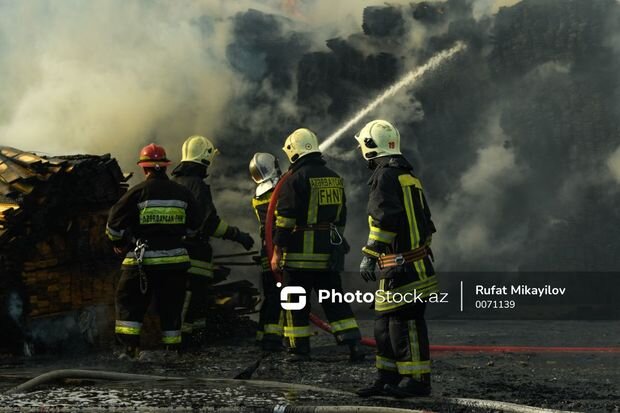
(255, 172)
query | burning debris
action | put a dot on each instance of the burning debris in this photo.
(54, 257)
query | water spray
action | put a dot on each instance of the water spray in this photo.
(410, 78)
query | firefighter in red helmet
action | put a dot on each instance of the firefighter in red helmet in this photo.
(147, 226)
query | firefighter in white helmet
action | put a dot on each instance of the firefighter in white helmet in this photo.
(265, 172)
(198, 153)
(399, 244)
(308, 243)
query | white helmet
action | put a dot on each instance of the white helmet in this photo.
(378, 138)
(300, 143)
(198, 149)
(265, 171)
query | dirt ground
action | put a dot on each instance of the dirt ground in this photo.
(585, 382)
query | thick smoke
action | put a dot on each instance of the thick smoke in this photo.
(516, 141)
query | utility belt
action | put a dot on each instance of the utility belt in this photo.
(402, 258)
(313, 227)
(335, 238)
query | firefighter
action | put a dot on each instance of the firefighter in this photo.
(308, 243)
(399, 243)
(155, 214)
(265, 172)
(197, 155)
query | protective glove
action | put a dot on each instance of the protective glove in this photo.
(367, 268)
(245, 240)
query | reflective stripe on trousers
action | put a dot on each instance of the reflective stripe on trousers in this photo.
(203, 268)
(383, 363)
(131, 328)
(345, 324)
(171, 337)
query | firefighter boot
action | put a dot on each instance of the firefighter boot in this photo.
(271, 345)
(356, 354)
(297, 357)
(298, 350)
(409, 387)
(384, 379)
(167, 355)
(129, 353)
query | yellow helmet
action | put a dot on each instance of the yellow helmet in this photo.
(300, 143)
(198, 149)
(378, 138)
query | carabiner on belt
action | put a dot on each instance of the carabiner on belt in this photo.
(141, 246)
(334, 236)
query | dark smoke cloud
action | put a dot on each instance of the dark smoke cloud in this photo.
(516, 140)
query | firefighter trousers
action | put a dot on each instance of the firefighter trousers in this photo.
(297, 329)
(402, 343)
(271, 316)
(166, 287)
(195, 306)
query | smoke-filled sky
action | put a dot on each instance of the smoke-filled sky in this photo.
(515, 141)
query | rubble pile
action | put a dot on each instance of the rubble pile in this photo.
(54, 255)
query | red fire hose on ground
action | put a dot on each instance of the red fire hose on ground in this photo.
(369, 341)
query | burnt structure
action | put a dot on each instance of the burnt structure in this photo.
(54, 255)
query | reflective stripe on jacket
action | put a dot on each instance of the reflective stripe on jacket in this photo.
(260, 206)
(399, 216)
(192, 177)
(160, 212)
(313, 194)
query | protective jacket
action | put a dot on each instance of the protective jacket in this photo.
(261, 205)
(159, 212)
(270, 321)
(310, 215)
(192, 177)
(400, 221)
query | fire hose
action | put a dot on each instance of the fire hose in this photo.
(369, 341)
(269, 249)
(55, 375)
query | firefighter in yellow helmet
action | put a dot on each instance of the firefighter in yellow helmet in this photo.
(198, 153)
(265, 172)
(399, 244)
(309, 246)
(157, 214)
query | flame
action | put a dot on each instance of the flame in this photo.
(291, 8)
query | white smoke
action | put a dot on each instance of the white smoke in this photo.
(468, 216)
(489, 7)
(613, 164)
(109, 76)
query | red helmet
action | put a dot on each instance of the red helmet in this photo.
(153, 156)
